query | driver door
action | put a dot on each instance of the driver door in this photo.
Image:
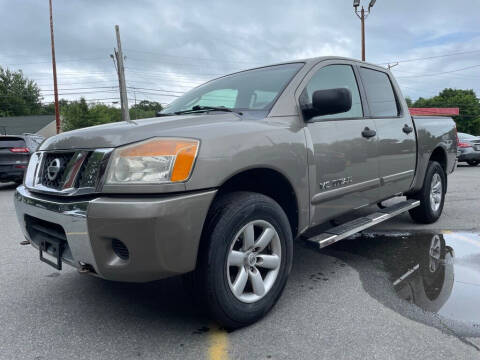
(343, 163)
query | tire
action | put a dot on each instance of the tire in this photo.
(473, 162)
(431, 207)
(230, 218)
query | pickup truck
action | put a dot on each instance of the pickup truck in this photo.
(219, 186)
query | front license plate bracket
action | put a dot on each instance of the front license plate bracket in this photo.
(55, 248)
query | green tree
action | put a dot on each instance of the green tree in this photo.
(145, 109)
(18, 95)
(79, 114)
(409, 101)
(466, 100)
(49, 109)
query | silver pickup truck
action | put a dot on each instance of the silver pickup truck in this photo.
(221, 183)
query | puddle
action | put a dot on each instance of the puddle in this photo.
(437, 272)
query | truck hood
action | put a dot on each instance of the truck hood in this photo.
(121, 133)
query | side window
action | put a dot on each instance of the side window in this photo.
(380, 95)
(332, 77)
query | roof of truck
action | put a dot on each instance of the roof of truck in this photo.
(315, 60)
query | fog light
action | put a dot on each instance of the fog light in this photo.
(120, 249)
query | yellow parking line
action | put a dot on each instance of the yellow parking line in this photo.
(218, 344)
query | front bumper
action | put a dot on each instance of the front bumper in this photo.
(162, 233)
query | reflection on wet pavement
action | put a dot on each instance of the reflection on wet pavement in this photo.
(438, 272)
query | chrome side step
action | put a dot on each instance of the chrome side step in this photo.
(343, 231)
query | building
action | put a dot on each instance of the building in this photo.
(43, 125)
(435, 111)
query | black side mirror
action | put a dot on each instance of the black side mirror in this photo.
(328, 102)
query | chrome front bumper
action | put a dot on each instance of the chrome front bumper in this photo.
(71, 215)
(162, 232)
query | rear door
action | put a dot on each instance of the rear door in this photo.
(396, 135)
(343, 166)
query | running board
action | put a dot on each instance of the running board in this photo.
(343, 231)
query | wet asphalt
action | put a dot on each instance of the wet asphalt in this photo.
(398, 291)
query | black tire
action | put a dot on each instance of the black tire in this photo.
(473, 162)
(425, 213)
(229, 214)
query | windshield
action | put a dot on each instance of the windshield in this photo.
(248, 90)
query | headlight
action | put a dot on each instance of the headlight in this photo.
(157, 160)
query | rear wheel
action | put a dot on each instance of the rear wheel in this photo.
(246, 258)
(431, 195)
(473, 162)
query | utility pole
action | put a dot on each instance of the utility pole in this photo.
(362, 15)
(54, 66)
(121, 77)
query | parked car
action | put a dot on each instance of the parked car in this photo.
(15, 151)
(468, 149)
(232, 172)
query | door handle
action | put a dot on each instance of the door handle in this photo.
(368, 133)
(407, 129)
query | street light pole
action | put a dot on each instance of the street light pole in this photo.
(362, 15)
(362, 18)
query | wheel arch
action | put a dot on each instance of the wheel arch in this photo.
(439, 155)
(269, 182)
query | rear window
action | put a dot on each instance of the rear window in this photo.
(7, 142)
(380, 95)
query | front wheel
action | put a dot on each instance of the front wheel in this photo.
(473, 162)
(431, 195)
(246, 259)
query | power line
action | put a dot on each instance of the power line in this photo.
(193, 58)
(431, 57)
(440, 73)
(61, 61)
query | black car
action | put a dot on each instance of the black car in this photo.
(468, 149)
(15, 151)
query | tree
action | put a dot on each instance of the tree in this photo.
(409, 101)
(49, 109)
(79, 114)
(466, 100)
(18, 95)
(145, 109)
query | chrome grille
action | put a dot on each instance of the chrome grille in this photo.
(67, 173)
(58, 181)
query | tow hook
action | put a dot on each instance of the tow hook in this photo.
(25, 242)
(85, 268)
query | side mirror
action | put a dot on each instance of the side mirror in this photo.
(329, 102)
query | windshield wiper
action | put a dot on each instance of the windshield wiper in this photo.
(198, 108)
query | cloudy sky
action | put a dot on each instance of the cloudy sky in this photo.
(172, 46)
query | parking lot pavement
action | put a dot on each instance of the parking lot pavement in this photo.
(341, 302)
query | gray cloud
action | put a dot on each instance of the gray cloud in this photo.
(174, 45)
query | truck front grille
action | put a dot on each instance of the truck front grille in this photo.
(63, 159)
(67, 173)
